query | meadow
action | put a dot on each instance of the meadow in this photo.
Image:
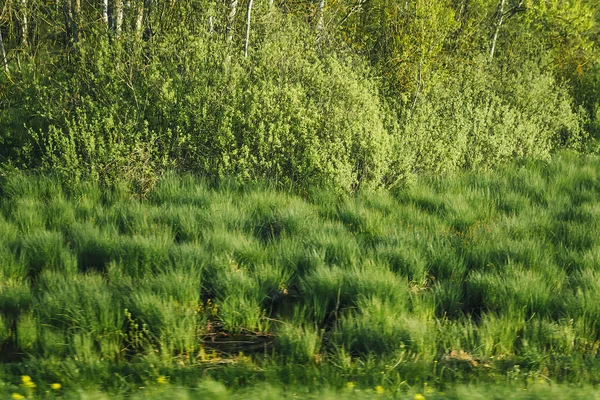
(478, 285)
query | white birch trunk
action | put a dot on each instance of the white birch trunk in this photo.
(248, 20)
(3, 54)
(498, 26)
(24, 23)
(320, 22)
(105, 12)
(118, 17)
(139, 24)
(231, 20)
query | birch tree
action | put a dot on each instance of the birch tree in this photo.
(105, 12)
(72, 12)
(3, 54)
(139, 24)
(231, 20)
(118, 17)
(321, 18)
(248, 28)
(498, 26)
(24, 23)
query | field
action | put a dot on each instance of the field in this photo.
(482, 285)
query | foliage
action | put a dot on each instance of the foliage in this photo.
(381, 91)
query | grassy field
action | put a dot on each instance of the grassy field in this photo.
(486, 285)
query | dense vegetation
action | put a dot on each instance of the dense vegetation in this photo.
(487, 277)
(352, 94)
(335, 197)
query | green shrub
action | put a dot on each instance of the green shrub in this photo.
(479, 118)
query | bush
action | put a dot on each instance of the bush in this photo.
(478, 118)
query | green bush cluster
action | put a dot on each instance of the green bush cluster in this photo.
(288, 114)
(296, 112)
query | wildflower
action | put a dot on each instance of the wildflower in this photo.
(419, 396)
(27, 382)
(17, 396)
(379, 389)
(350, 385)
(56, 386)
(162, 380)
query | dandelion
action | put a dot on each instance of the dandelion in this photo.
(419, 396)
(350, 385)
(162, 380)
(17, 396)
(379, 389)
(27, 382)
(56, 386)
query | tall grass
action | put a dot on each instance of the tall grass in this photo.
(481, 276)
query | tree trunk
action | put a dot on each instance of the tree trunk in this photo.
(248, 28)
(231, 20)
(139, 24)
(118, 17)
(24, 23)
(105, 12)
(3, 54)
(321, 18)
(498, 26)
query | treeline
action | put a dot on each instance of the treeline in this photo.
(347, 92)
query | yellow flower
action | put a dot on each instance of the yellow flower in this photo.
(419, 396)
(379, 389)
(17, 396)
(162, 380)
(350, 385)
(27, 382)
(56, 386)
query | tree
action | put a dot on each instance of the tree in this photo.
(231, 20)
(24, 23)
(248, 28)
(3, 54)
(118, 17)
(105, 12)
(498, 26)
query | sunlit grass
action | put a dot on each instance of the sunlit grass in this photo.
(482, 277)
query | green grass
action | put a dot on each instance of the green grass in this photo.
(483, 284)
